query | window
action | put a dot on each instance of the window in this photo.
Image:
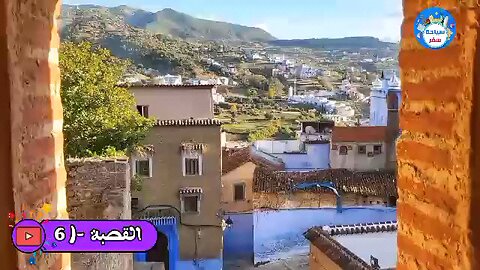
(134, 203)
(239, 192)
(377, 149)
(192, 163)
(191, 204)
(192, 166)
(143, 167)
(343, 150)
(362, 149)
(392, 101)
(142, 110)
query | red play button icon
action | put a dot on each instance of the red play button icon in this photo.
(29, 236)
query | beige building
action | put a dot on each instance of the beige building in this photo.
(181, 174)
(174, 102)
(359, 148)
(238, 169)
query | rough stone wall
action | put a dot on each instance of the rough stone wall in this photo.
(434, 151)
(311, 200)
(99, 189)
(38, 171)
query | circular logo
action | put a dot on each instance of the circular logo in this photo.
(28, 236)
(435, 28)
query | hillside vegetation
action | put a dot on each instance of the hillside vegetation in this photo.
(172, 23)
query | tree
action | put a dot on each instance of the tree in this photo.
(265, 133)
(276, 88)
(98, 115)
(252, 92)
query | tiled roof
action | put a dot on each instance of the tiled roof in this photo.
(192, 146)
(359, 134)
(339, 254)
(190, 122)
(374, 183)
(166, 86)
(191, 190)
(321, 237)
(389, 226)
(234, 158)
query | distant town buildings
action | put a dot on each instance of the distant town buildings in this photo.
(172, 79)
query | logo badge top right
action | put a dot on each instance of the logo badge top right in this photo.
(435, 28)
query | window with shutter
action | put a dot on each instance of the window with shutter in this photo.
(192, 166)
(143, 110)
(191, 204)
(239, 192)
(142, 168)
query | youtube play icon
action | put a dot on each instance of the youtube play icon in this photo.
(29, 236)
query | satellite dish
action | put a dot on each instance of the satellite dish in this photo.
(310, 130)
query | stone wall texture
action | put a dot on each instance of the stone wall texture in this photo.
(435, 173)
(99, 189)
(302, 199)
(38, 173)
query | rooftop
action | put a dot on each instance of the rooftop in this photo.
(167, 86)
(234, 158)
(351, 246)
(190, 122)
(371, 183)
(359, 134)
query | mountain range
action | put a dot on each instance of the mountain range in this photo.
(172, 42)
(170, 22)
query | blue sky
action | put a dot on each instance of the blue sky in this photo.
(288, 19)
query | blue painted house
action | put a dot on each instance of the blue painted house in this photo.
(286, 204)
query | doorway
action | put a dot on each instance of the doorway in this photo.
(159, 252)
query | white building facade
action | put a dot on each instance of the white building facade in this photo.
(383, 92)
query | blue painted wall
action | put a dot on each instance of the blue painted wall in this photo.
(238, 239)
(279, 234)
(211, 264)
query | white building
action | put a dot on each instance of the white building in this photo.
(381, 90)
(311, 151)
(222, 81)
(172, 79)
(359, 148)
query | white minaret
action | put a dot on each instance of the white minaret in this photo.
(378, 102)
(290, 91)
(381, 89)
(295, 86)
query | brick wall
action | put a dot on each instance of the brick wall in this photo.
(434, 151)
(38, 171)
(99, 189)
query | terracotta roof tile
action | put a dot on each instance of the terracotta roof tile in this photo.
(374, 183)
(321, 237)
(359, 134)
(335, 251)
(191, 190)
(167, 86)
(189, 122)
(234, 158)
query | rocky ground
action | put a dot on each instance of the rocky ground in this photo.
(294, 263)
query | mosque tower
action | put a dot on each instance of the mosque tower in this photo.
(378, 102)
